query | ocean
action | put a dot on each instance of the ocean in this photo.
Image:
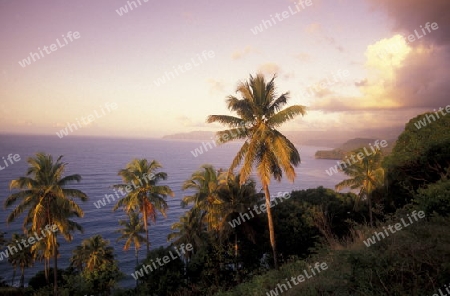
(98, 160)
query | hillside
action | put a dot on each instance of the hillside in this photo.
(350, 145)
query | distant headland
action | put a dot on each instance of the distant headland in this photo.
(339, 152)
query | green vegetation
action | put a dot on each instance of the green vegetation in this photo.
(349, 146)
(366, 175)
(230, 258)
(43, 194)
(330, 154)
(141, 179)
(259, 111)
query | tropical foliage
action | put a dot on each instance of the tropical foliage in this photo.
(141, 180)
(131, 233)
(21, 259)
(46, 200)
(366, 175)
(265, 148)
(229, 258)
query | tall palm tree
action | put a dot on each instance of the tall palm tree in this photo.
(143, 194)
(366, 174)
(259, 115)
(23, 258)
(46, 199)
(131, 233)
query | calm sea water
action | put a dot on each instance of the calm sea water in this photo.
(98, 160)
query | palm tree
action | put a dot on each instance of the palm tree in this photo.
(96, 252)
(259, 114)
(189, 231)
(95, 259)
(204, 183)
(236, 199)
(367, 174)
(23, 258)
(143, 194)
(78, 258)
(43, 252)
(44, 196)
(131, 233)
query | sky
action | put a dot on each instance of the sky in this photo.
(149, 68)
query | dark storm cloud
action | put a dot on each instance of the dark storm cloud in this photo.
(423, 80)
(409, 15)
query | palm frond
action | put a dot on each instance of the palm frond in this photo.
(227, 120)
(285, 115)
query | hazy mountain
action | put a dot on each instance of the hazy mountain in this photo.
(329, 138)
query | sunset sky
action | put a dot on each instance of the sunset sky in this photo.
(118, 59)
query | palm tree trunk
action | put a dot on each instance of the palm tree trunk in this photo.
(369, 198)
(46, 263)
(22, 276)
(271, 228)
(55, 268)
(137, 261)
(146, 231)
(137, 256)
(14, 275)
(236, 256)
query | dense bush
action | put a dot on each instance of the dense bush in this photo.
(435, 199)
(414, 261)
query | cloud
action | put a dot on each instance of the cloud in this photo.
(313, 28)
(303, 57)
(422, 80)
(188, 122)
(269, 69)
(409, 15)
(399, 76)
(238, 54)
(215, 85)
(361, 83)
(376, 89)
(332, 41)
(316, 29)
